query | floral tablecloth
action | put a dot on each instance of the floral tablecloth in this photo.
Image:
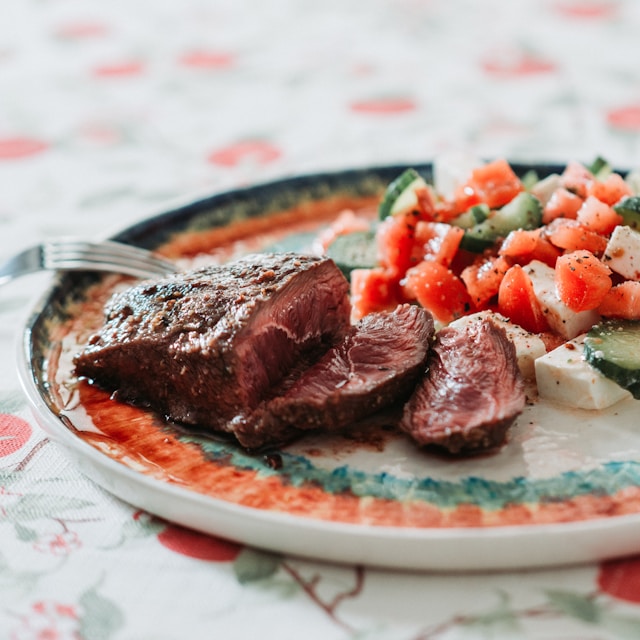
(110, 112)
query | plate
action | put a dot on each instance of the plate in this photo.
(564, 489)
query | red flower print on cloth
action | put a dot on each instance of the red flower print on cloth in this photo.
(101, 134)
(60, 544)
(14, 432)
(621, 579)
(18, 147)
(626, 118)
(207, 59)
(586, 9)
(74, 30)
(198, 545)
(384, 106)
(119, 69)
(261, 151)
(516, 65)
(48, 620)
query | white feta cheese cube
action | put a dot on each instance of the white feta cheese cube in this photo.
(622, 254)
(565, 377)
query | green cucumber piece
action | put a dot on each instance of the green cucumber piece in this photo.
(355, 250)
(523, 212)
(530, 179)
(400, 195)
(600, 168)
(629, 209)
(472, 216)
(613, 348)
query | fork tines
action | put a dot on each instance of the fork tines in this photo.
(103, 256)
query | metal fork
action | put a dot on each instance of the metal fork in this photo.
(79, 255)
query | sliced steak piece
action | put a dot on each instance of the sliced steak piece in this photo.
(375, 365)
(472, 391)
(202, 346)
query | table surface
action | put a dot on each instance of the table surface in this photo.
(110, 112)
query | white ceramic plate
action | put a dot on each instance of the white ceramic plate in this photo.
(564, 489)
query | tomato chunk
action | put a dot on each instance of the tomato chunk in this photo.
(561, 204)
(346, 222)
(610, 190)
(483, 279)
(373, 290)
(395, 239)
(438, 290)
(622, 301)
(494, 183)
(582, 280)
(572, 235)
(520, 242)
(598, 216)
(576, 178)
(525, 245)
(439, 241)
(517, 301)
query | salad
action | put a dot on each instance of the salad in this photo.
(555, 260)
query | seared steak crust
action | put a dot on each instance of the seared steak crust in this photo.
(471, 394)
(201, 347)
(376, 365)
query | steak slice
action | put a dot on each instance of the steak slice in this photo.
(376, 365)
(472, 391)
(202, 346)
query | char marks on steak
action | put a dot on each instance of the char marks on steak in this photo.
(376, 365)
(471, 394)
(203, 346)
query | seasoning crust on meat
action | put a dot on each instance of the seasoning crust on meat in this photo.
(202, 346)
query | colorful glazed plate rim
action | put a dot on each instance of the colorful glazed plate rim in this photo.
(462, 548)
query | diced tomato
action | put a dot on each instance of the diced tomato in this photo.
(517, 301)
(582, 280)
(545, 251)
(561, 204)
(551, 340)
(439, 241)
(494, 183)
(346, 222)
(438, 290)
(462, 260)
(576, 178)
(373, 290)
(598, 216)
(520, 242)
(525, 245)
(464, 198)
(622, 301)
(571, 235)
(610, 190)
(426, 203)
(447, 210)
(483, 279)
(395, 239)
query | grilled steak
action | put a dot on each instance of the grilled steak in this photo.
(375, 365)
(471, 393)
(203, 346)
